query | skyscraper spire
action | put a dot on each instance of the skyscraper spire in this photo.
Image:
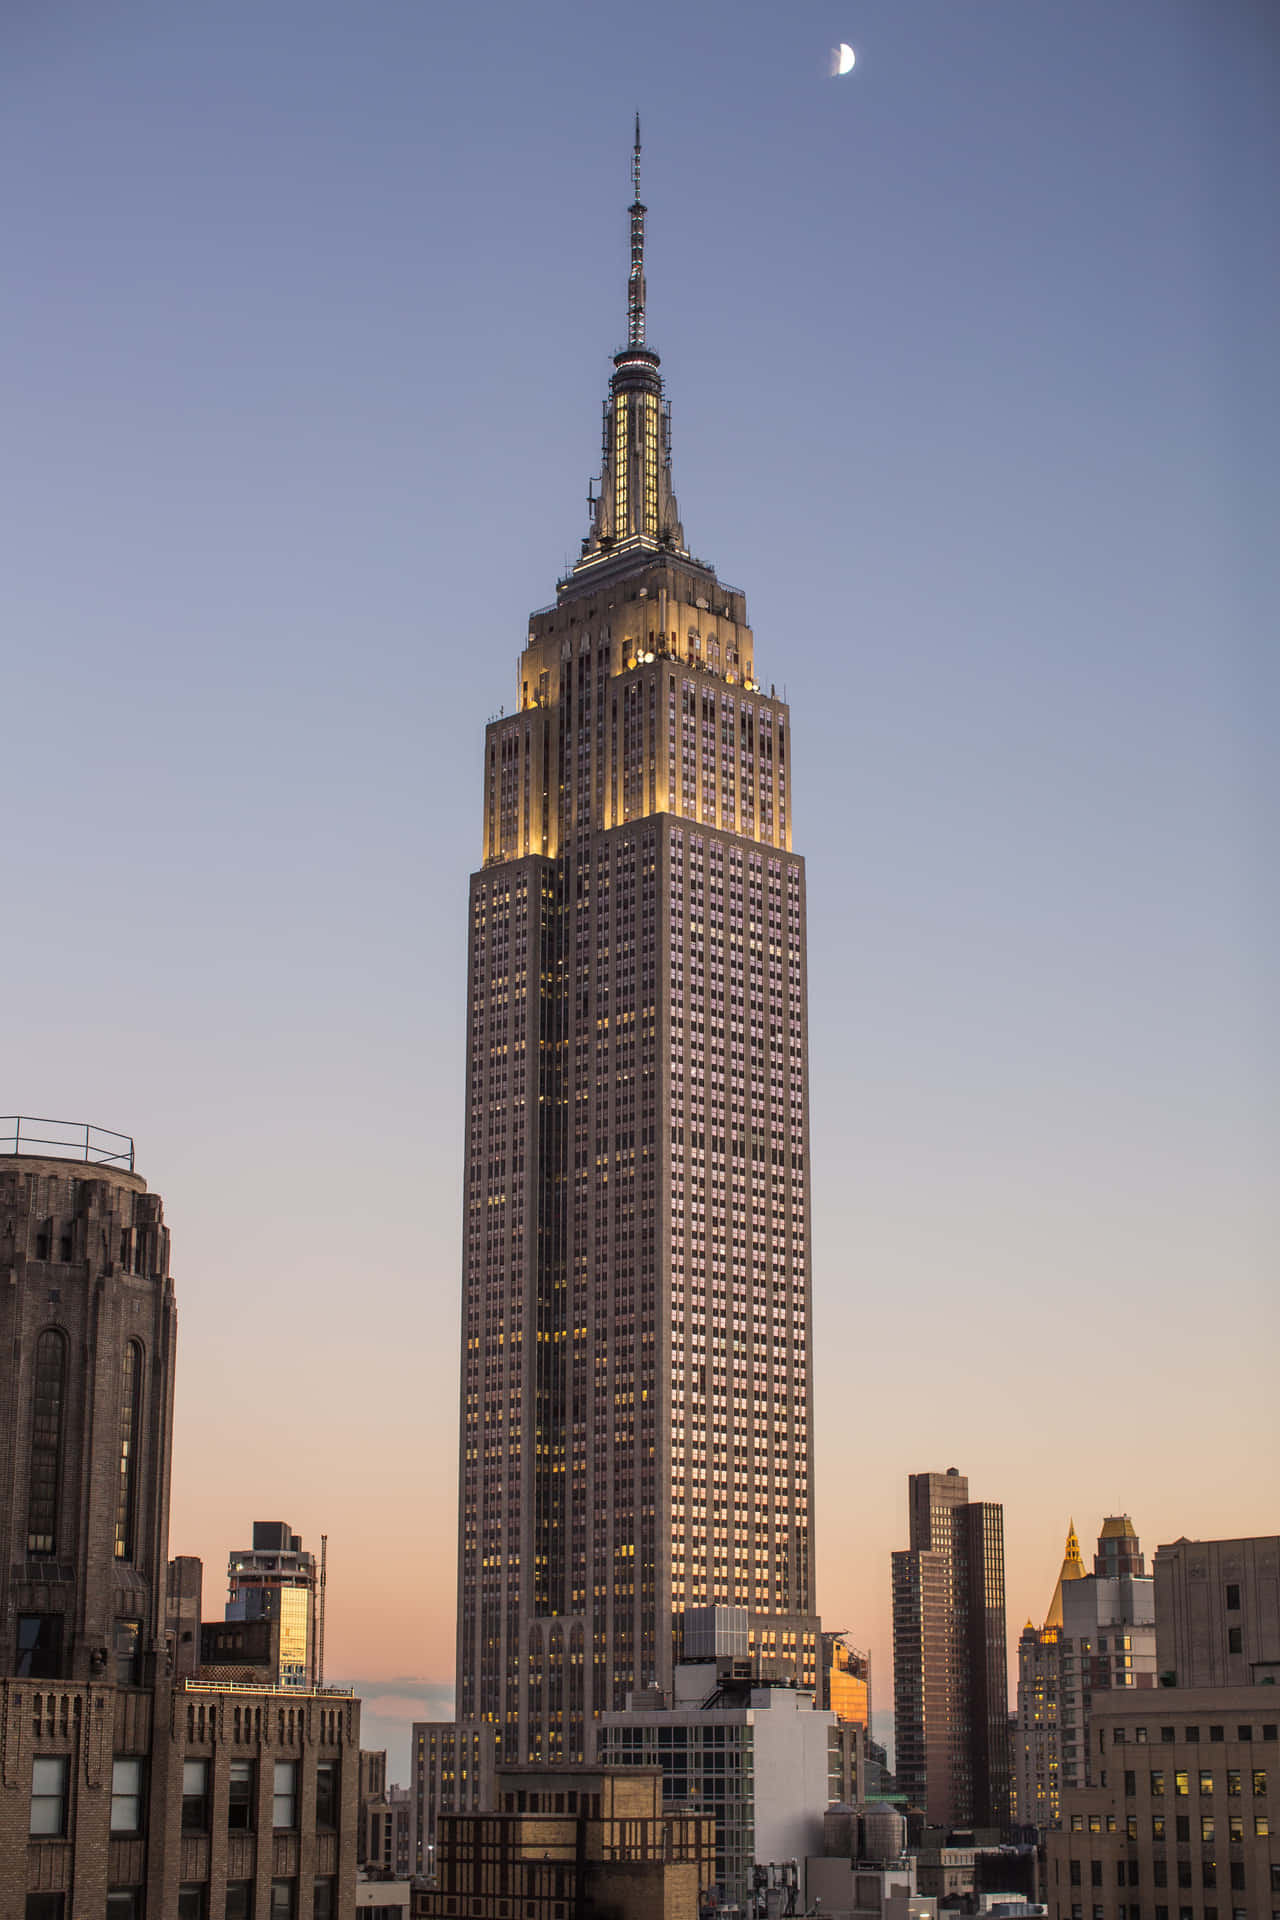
(635, 280)
(635, 505)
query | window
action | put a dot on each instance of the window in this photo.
(239, 1900)
(284, 1801)
(1095, 1873)
(1235, 1826)
(1235, 1639)
(39, 1647)
(325, 1904)
(1157, 1784)
(283, 1899)
(1182, 1827)
(1206, 1781)
(45, 1906)
(1233, 1782)
(195, 1796)
(128, 1647)
(1130, 1784)
(1157, 1826)
(1206, 1826)
(130, 1407)
(241, 1796)
(1259, 1782)
(1167, 1735)
(1233, 1597)
(1075, 1873)
(126, 1796)
(124, 1903)
(1181, 1784)
(327, 1793)
(1261, 1826)
(48, 1395)
(49, 1795)
(192, 1903)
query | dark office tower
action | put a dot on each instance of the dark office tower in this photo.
(949, 1678)
(87, 1329)
(636, 1433)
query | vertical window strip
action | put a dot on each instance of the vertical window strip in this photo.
(131, 1385)
(46, 1441)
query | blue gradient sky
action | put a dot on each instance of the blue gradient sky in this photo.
(306, 317)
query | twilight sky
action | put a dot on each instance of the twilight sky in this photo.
(305, 321)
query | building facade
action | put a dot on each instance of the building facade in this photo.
(130, 1787)
(949, 1680)
(636, 1425)
(1218, 1612)
(560, 1844)
(756, 1755)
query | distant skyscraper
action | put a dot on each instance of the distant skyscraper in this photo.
(1098, 1636)
(636, 1431)
(950, 1689)
(276, 1580)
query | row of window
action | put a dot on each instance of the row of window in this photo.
(50, 1785)
(128, 1903)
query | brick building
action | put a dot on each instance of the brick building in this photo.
(131, 1788)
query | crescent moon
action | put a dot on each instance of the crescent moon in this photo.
(844, 58)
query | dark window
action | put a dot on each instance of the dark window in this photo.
(240, 1796)
(124, 1903)
(1235, 1639)
(1159, 1873)
(1182, 1827)
(1192, 1735)
(130, 1409)
(327, 1793)
(126, 1796)
(128, 1651)
(49, 1796)
(195, 1796)
(1237, 1873)
(1130, 1783)
(1233, 1597)
(284, 1902)
(46, 1906)
(39, 1646)
(1167, 1733)
(1184, 1873)
(1095, 1873)
(325, 1904)
(1217, 1733)
(48, 1395)
(239, 1900)
(1075, 1873)
(192, 1903)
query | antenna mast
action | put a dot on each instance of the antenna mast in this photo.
(324, 1560)
(635, 281)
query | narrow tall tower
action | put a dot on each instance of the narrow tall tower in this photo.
(950, 1688)
(636, 1432)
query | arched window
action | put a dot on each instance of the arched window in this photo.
(130, 1411)
(48, 1396)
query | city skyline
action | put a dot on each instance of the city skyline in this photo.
(275, 399)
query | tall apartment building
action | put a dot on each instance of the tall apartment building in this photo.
(636, 1421)
(950, 1689)
(132, 1789)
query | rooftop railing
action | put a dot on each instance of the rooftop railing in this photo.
(65, 1140)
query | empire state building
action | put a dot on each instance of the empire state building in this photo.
(636, 1430)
